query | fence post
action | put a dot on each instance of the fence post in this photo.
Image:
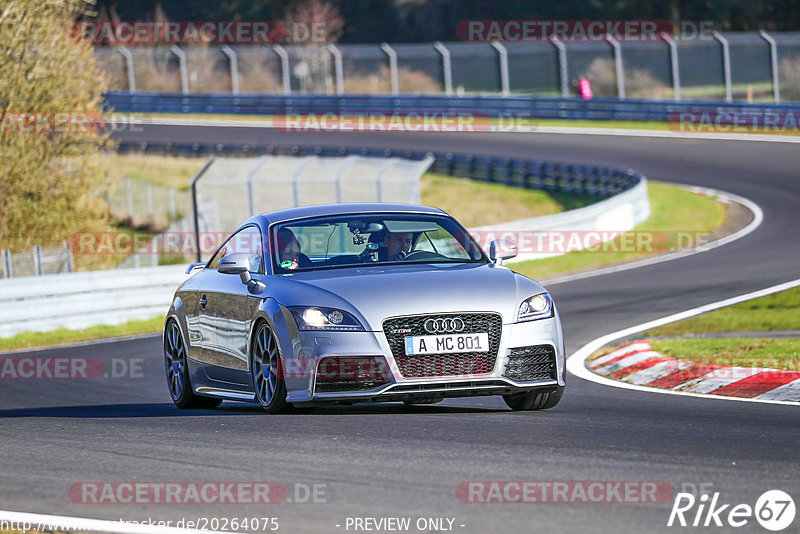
(37, 260)
(618, 65)
(234, 64)
(285, 75)
(296, 176)
(171, 203)
(69, 260)
(195, 215)
(250, 174)
(673, 63)
(149, 193)
(7, 262)
(124, 52)
(338, 68)
(129, 195)
(389, 51)
(562, 66)
(773, 58)
(502, 55)
(726, 64)
(175, 49)
(447, 69)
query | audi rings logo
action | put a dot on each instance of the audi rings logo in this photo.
(442, 326)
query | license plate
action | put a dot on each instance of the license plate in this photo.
(450, 343)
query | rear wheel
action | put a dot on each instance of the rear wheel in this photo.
(265, 365)
(535, 400)
(178, 382)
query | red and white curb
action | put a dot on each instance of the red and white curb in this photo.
(577, 362)
(637, 363)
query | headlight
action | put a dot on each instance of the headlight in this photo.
(537, 307)
(316, 318)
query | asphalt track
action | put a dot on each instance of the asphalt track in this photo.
(378, 461)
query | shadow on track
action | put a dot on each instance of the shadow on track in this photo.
(122, 411)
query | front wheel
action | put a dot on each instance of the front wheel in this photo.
(178, 382)
(535, 400)
(265, 366)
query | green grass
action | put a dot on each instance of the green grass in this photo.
(670, 209)
(478, 203)
(57, 337)
(779, 311)
(782, 353)
(169, 171)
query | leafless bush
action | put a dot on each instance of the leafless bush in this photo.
(639, 83)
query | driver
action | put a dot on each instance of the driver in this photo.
(289, 254)
(398, 244)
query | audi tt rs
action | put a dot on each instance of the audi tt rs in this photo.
(353, 303)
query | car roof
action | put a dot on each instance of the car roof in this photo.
(339, 209)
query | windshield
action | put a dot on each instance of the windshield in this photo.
(374, 239)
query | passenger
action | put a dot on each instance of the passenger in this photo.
(289, 253)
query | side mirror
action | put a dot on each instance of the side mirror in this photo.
(236, 264)
(502, 250)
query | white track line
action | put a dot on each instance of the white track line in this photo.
(22, 520)
(576, 364)
(567, 130)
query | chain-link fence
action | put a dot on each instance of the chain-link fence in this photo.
(141, 203)
(228, 190)
(743, 66)
(36, 261)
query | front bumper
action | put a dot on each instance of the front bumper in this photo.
(308, 349)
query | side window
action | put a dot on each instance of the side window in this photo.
(215, 260)
(245, 241)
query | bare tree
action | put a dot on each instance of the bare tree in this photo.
(312, 25)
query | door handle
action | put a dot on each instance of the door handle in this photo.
(203, 303)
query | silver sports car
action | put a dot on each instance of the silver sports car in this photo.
(355, 303)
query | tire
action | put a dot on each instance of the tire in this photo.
(266, 370)
(534, 400)
(178, 382)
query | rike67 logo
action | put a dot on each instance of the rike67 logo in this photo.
(774, 510)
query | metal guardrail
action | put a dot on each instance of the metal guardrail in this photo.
(80, 300)
(529, 174)
(492, 106)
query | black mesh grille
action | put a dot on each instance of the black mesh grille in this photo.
(527, 364)
(352, 373)
(335, 386)
(460, 364)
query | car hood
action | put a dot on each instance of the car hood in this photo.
(375, 293)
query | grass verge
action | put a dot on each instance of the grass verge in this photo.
(62, 335)
(779, 311)
(670, 208)
(781, 353)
